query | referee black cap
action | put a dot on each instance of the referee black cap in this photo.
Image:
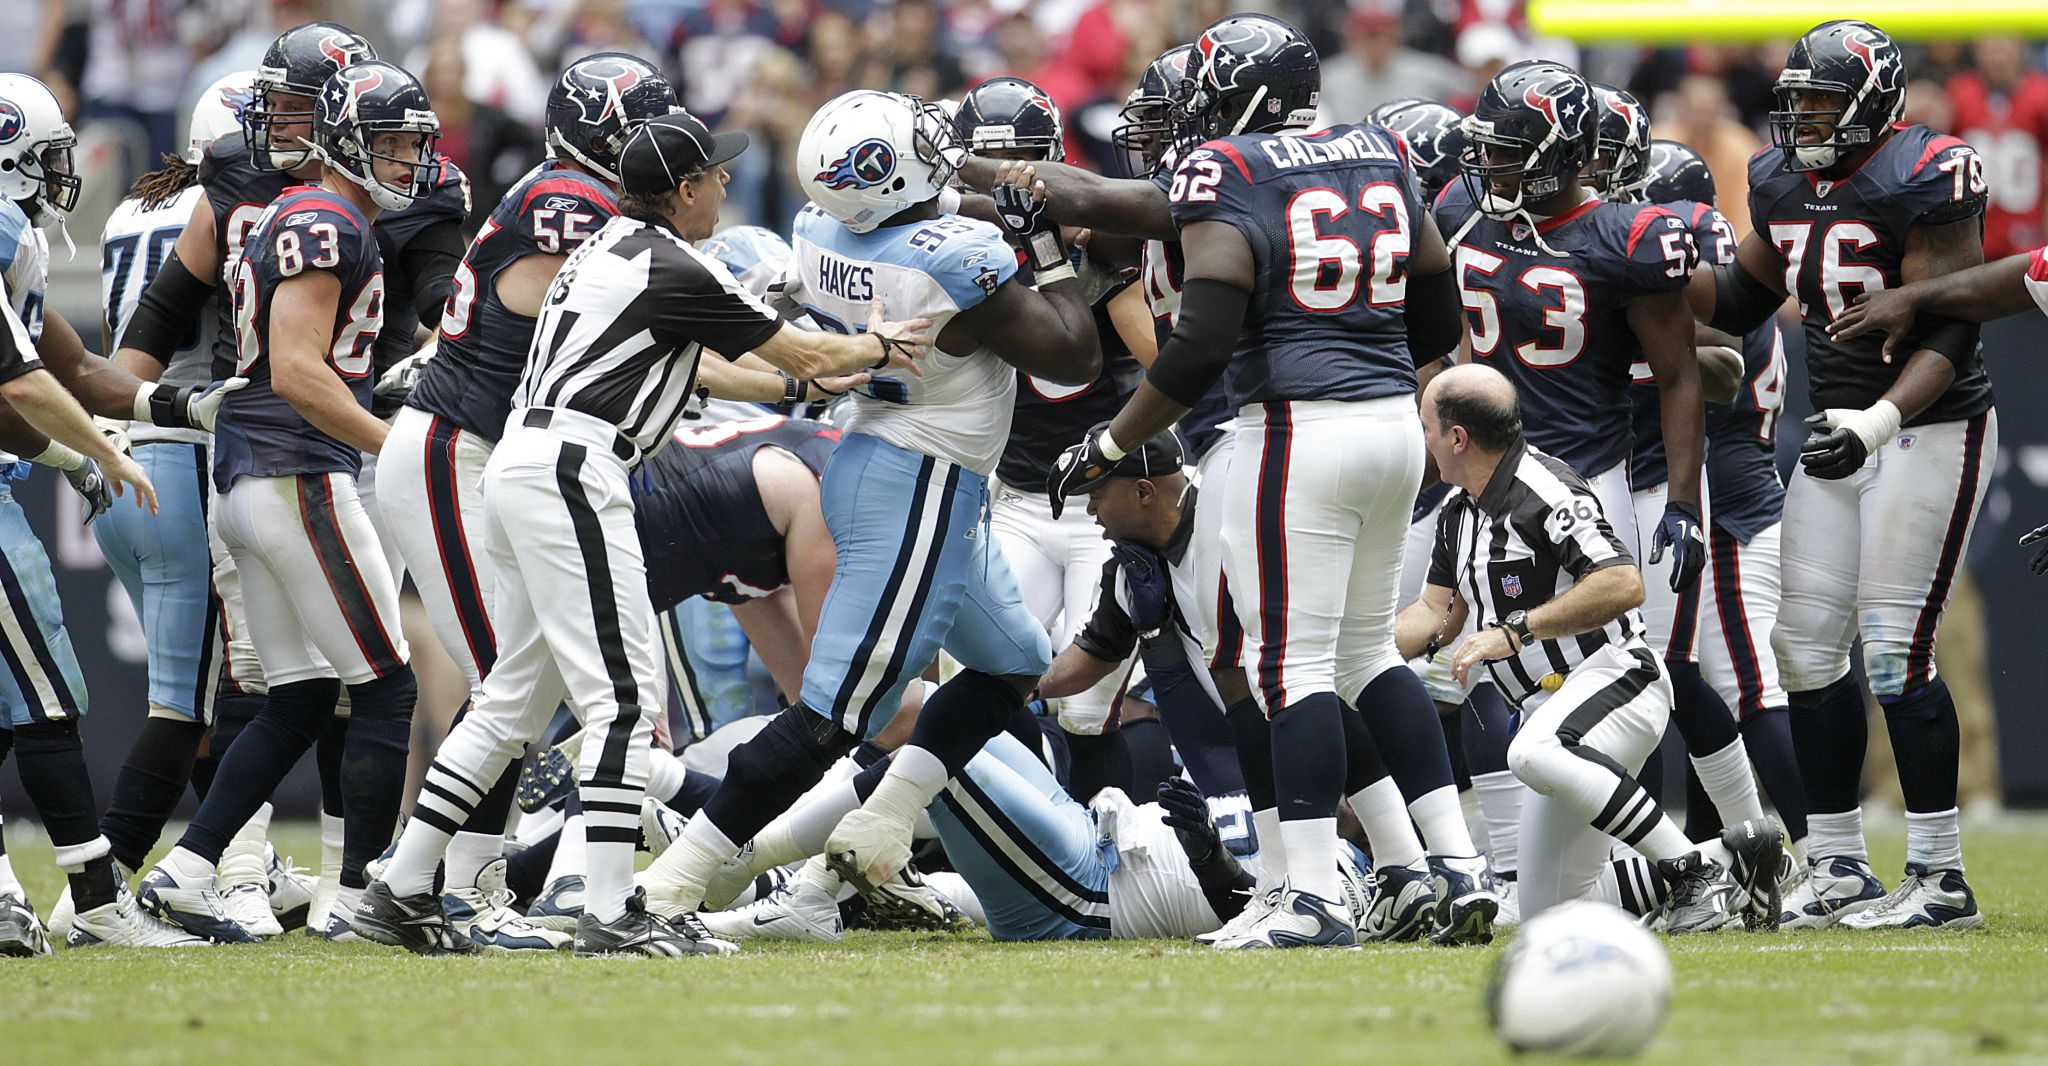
(662, 151)
(1163, 454)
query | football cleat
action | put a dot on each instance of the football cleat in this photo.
(341, 912)
(907, 903)
(732, 879)
(1298, 920)
(1466, 901)
(560, 906)
(65, 912)
(549, 777)
(1510, 904)
(291, 892)
(190, 904)
(1702, 894)
(374, 869)
(1403, 903)
(660, 825)
(639, 933)
(248, 905)
(796, 911)
(1255, 908)
(22, 934)
(1834, 888)
(1926, 899)
(1758, 847)
(483, 912)
(124, 924)
(243, 880)
(1357, 885)
(868, 849)
(414, 923)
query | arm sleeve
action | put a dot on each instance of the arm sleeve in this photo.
(166, 318)
(1435, 315)
(430, 260)
(1195, 356)
(703, 303)
(1109, 634)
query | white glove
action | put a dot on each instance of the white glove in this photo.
(404, 374)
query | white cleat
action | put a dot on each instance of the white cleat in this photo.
(797, 911)
(123, 924)
(1298, 920)
(243, 881)
(868, 849)
(1510, 905)
(1833, 889)
(22, 934)
(191, 904)
(659, 825)
(1926, 899)
(291, 891)
(340, 916)
(483, 912)
(65, 912)
(1254, 910)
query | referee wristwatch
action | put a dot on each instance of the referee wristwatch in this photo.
(1517, 625)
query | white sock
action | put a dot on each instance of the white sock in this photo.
(1272, 850)
(1500, 797)
(802, 832)
(818, 877)
(538, 826)
(915, 777)
(569, 858)
(258, 825)
(1726, 777)
(9, 886)
(665, 774)
(1934, 841)
(1441, 820)
(1830, 836)
(330, 847)
(1667, 841)
(1385, 818)
(187, 865)
(690, 861)
(1312, 856)
(420, 849)
(468, 854)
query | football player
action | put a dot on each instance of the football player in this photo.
(1877, 516)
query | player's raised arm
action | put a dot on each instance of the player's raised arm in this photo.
(1133, 207)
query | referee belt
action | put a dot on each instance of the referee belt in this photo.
(584, 429)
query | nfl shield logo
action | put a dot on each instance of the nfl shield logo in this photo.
(1821, 188)
(1511, 585)
(1520, 231)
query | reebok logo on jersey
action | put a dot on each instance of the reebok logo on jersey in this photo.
(558, 203)
(301, 218)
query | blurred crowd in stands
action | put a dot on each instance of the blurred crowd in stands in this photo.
(133, 66)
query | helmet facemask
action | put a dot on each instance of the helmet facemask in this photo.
(261, 116)
(354, 155)
(51, 165)
(1142, 138)
(932, 136)
(1846, 128)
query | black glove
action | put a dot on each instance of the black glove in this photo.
(2040, 565)
(1187, 814)
(1079, 469)
(1680, 531)
(1022, 215)
(1831, 454)
(1148, 594)
(93, 487)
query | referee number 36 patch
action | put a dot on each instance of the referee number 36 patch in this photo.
(1569, 517)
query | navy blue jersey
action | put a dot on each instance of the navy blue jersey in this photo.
(483, 344)
(1744, 494)
(1714, 238)
(703, 527)
(1048, 416)
(1556, 322)
(1330, 219)
(1846, 236)
(259, 434)
(447, 204)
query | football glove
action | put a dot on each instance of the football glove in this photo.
(1147, 595)
(1680, 531)
(93, 487)
(1079, 469)
(397, 382)
(2040, 564)
(1187, 814)
(1842, 438)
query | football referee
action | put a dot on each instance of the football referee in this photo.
(1524, 544)
(614, 359)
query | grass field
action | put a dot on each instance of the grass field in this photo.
(902, 999)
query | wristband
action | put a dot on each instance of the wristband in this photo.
(1109, 448)
(1052, 275)
(883, 362)
(794, 390)
(62, 456)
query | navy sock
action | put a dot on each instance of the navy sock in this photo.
(1454, 743)
(1151, 757)
(1696, 709)
(1488, 733)
(768, 773)
(1927, 743)
(1254, 736)
(696, 791)
(1023, 725)
(1362, 763)
(526, 871)
(147, 788)
(1403, 721)
(231, 713)
(373, 768)
(51, 761)
(964, 714)
(333, 742)
(1829, 733)
(1199, 729)
(1099, 761)
(1768, 736)
(1309, 758)
(260, 757)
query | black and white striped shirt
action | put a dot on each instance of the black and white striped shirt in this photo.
(1534, 532)
(620, 330)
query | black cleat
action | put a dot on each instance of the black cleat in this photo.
(639, 933)
(1759, 849)
(414, 923)
(1701, 894)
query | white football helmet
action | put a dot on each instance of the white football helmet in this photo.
(36, 168)
(867, 155)
(218, 112)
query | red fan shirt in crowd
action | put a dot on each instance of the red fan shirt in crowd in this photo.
(2010, 131)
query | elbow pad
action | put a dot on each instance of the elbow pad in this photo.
(1954, 338)
(1435, 316)
(167, 317)
(1741, 302)
(1191, 361)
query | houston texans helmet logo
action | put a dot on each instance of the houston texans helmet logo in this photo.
(864, 166)
(1626, 108)
(341, 51)
(605, 94)
(347, 89)
(1547, 104)
(11, 122)
(1863, 47)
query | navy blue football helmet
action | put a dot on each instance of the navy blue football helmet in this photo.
(1147, 113)
(1621, 147)
(1855, 60)
(1678, 173)
(596, 103)
(1436, 139)
(363, 101)
(1010, 114)
(297, 63)
(1532, 134)
(1249, 74)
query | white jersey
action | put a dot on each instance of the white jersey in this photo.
(1153, 892)
(135, 245)
(959, 410)
(25, 266)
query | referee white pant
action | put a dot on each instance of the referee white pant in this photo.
(432, 474)
(573, 620)
(1058, 566)
(1609, 714)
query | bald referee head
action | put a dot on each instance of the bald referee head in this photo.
(1470, 418)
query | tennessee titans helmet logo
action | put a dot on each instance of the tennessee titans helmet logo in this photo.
(864, 166)
(11, 122)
